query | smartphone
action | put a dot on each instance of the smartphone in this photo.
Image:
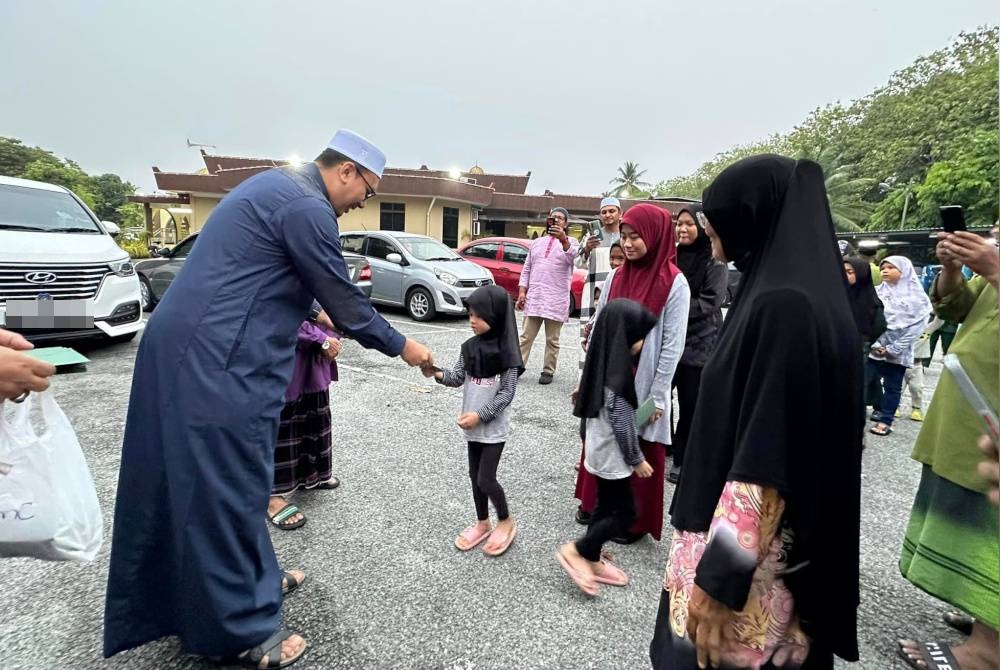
(952, 218)
(973, 396)
(552, 228)
(597, 230)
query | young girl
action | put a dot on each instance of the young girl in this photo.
(302, 454)
(617, 259)
(487, 370)
(607, 401)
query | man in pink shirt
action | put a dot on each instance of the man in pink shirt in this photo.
(545, 290)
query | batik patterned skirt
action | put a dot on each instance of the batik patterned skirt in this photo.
(302, 455)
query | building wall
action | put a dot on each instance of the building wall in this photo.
(416, 220)
(201, 207)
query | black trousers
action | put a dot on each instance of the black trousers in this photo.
(613, 516)
(687, 379)
(483, 461)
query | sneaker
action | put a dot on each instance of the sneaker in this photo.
(546, 378)
(916, 415)
(674, 475)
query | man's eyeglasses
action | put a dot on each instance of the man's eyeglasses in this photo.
(369, 191)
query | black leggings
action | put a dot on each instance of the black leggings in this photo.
(687, 379)
(613, 517)
(483, 461)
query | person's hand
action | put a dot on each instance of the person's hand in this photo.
(978, 253)
(20, 373)
(574, 396)
(592, 243)
(708, 626)
(416, 354)
(428, 371)
(468, 420)
(643, 470)
(657, 413)
(334, 349)
(14, 341)
(519, 305)
(323, 319)
(946, 255)
(990, 468)
(878, 351)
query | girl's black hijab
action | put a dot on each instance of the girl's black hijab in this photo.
(780, 400)
(864, 300)
(498, 349)
(693, 259)
(609, 361)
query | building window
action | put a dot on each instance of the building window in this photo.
(449, 229)
(393, 216)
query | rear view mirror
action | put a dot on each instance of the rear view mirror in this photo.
(163, 252)
(394, 258)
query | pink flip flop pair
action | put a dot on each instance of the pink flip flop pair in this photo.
(470, 538)
(611, 575)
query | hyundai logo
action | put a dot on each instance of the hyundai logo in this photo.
(482, 282)
(40, 277)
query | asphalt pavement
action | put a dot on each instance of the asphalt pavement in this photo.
(386, 587)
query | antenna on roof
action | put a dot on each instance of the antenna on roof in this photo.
(200, 146)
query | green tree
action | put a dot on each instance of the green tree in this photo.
(66, 174)
(628, 181)
(15, 157)
(110, 195)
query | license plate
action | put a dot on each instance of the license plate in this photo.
(44, 312)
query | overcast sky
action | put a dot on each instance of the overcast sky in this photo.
(568, 89)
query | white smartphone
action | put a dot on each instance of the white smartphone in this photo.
(973, 396)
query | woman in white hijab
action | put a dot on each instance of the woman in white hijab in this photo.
(907, 311)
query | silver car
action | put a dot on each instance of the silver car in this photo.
(416, 272)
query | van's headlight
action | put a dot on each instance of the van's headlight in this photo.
(447, 278)
(123, 268)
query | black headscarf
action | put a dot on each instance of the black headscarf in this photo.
(610, 362)
(498, 349)
(781, 397)
(693, 259)
(864, 300)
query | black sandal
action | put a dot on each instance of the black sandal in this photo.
(329, 485)
(935, 656)
(959, 621)
(289, 583)
(267, 653)
(286, 512)
(881, 433)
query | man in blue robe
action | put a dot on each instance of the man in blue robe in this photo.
(191, 556)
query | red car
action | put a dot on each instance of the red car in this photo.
(505, 256)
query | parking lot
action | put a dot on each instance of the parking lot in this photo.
(386, 587)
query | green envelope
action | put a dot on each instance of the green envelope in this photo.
(644, 413)
(60, 357)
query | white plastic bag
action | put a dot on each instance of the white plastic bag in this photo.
(48, 504)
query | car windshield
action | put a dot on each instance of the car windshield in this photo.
(426, 249)
(33, 209)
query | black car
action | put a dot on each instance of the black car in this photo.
(156, 274)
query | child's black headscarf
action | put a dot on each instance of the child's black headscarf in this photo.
(498, 349)
(609, 362)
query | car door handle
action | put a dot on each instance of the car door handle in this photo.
(503, 269)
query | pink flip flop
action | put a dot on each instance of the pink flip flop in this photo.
(472, 540)
(612, 575)
(588, 587)
(503, 547)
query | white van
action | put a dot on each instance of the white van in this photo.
(62, 276)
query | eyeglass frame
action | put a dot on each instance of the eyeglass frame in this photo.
(369, 191)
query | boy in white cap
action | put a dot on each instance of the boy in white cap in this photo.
(190, 556)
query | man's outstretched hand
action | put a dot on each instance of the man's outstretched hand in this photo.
(416, 354)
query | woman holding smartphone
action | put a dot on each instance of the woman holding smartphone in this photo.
(951, 544)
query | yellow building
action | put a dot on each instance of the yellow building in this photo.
(453, 208)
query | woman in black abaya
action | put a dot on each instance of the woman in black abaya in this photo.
(763, 567)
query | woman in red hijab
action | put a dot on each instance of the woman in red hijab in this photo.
(650, 276)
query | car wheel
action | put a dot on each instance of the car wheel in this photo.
(420, 305)
(146, 293)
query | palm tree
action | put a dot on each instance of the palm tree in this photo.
(628, 181)
(844, 188)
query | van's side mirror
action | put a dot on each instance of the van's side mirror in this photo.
(164, 252)
(111, 227)
(394, 258)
